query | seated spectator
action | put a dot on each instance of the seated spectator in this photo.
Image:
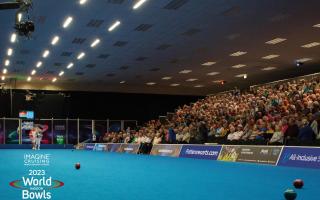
(292, 130)
(135, 138)
(127, 138)
(255, 133)
(218, 132)
(269, 133)
(263, 111)
(277, 136)
(105, 138)
(157, 139)
(145, 144)
(186, 136)
(315, 124)
(179, 136)
(262, 127)
(247, 131)
(202, 135)
(305, 132)
(212, 131)
(239, 133)
(114, 139)
(231, 134)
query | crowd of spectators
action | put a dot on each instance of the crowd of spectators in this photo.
(270, 114)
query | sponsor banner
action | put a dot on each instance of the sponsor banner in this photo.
(36, 182)
(306, 157)
(208, 152)
(259, 154)
(172, 150)
(113, 147)
(80, 146)
(100, 147)
(129, 148)
(229, 153)
(89, 146)
(27, 125)
(252, 154)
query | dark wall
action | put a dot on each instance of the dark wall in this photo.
(92, 105)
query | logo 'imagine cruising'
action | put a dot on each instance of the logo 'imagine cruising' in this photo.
(36, 185)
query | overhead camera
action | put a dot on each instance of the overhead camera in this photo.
(25, 28)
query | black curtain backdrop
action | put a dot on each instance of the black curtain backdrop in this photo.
(92, 105)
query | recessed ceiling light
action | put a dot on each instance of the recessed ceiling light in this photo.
(70, 65)
(191, 79)
(7, 62)
(238, 53)
(304, 60)
(316, 26)
(33, 72)
(218, 81)
(13, 37)
(114, 25)
(213, 73)
(245, 76)
(82, 2)
(270, 57)
(19, 17)
(29, 78)
(54, 79)
(310, 45)
(276, 41)
(138, 4)
(174, 84)
(151, 83)
(3, 78)
(208, 63)
(238, 66)
(268, 68)
(95, 42)
(4, 71)
(166, 78)
(122, 82)
(81, 55)
(55, 39)
(186, 71)
(241, 75)
(45, 53)
(67, 22)
(199, 86)
(9, 52)
(39, 64)
(61, 73)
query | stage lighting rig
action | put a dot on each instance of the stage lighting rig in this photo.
(23, 25)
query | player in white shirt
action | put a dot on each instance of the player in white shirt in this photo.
(32, 135)
(39, 129)
(38, 138)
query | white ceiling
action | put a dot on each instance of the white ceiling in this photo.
(161, 39)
